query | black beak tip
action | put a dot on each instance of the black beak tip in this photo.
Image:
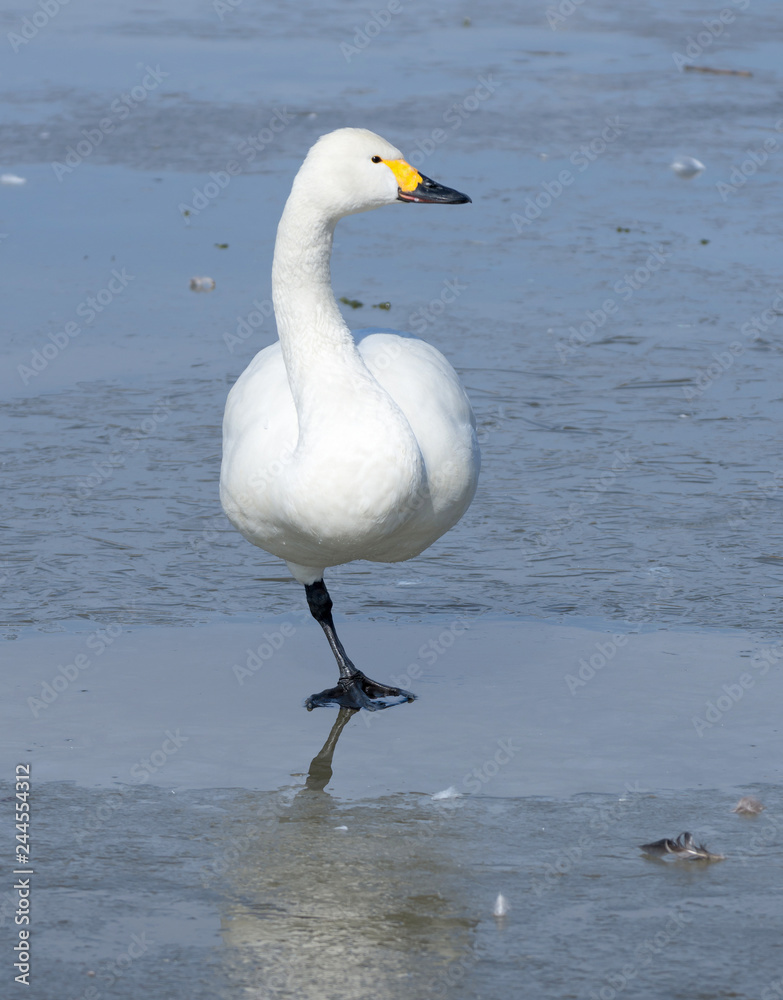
(429, 192)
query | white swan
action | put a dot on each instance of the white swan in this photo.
(333, 450)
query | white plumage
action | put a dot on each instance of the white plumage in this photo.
(335, 450)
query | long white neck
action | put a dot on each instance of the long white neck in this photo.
(317, 345)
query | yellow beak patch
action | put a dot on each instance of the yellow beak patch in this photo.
(408, 179)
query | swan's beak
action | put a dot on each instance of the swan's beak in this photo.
(414, 186)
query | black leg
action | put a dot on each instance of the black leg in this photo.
(354, 689)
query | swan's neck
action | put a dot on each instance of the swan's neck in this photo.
(316, 342)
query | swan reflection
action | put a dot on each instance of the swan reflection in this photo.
(342, 899)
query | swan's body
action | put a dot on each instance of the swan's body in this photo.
(382, 478)
(333, 450)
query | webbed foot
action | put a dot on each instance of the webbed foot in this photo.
(359, 691)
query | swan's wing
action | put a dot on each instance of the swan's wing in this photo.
(259, 437)
(260, 397)
(428, 391)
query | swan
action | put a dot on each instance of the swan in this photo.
(333, 449)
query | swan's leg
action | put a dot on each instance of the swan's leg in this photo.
(354, 689)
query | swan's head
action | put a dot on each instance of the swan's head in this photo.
(353, 170)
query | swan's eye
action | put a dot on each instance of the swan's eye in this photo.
(376, 159)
